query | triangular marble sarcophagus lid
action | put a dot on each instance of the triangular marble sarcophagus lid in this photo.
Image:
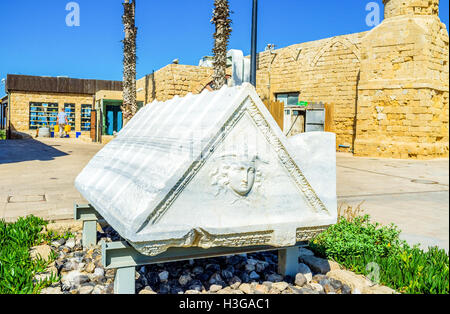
(212, 170)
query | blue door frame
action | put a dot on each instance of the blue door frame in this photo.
(113, 119)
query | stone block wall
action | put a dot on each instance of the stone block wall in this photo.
(388, 87)
(403, 89)
(325, 71)
(410, 7)
(175, 79)
(20, 107)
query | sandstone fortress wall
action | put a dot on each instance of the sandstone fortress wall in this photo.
(388, 87)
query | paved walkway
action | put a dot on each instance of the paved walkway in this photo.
(36, 177)
(413, 194)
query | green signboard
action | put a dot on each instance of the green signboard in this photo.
(302, 103)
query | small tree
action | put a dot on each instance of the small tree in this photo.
(221, 19)
(129, 107)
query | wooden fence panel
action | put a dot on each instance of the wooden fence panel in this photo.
(329, 118)
(276, 109)
(94, 125)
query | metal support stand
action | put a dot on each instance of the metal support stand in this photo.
(288, 261)
(124, 282)
(89, 216)
(124, 258)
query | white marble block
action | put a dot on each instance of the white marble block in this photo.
(212, 170)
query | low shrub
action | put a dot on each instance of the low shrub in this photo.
(17, 269)
(376, 251)
(2, 135)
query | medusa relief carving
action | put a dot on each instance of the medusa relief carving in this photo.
(238, 175)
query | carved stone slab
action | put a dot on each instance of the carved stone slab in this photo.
(212, 170)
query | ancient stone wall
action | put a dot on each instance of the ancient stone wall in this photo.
(388, 87)
(410, 7)
(320, 71)
(403, 88)
(175, 79)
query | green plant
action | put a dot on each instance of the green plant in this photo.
(17, 269)
(2, 135)
(356, 243)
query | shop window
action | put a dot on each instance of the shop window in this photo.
(86, 117)
(43, 115)
(70, 112)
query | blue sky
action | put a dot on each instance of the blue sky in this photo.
(37, 41)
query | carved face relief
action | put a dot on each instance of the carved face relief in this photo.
(242, 178)
(237, 174)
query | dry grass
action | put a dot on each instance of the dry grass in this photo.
(349, 213)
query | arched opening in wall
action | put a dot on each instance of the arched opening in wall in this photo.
(333, 79)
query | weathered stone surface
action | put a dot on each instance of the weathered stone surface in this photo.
(225, 159)
(90, 268)
(300, 280)
(74, 279)
(316, 287)
(58, 243)
(357, 282)
(246, 288)
(145, 291)
(377, 289)
(319, 265)
(184, 280)
(261, 289)
(70, 243)
(215, 288)
(280, 285)
(306, 271)
(42, 251)
(50, 290)
(87, 289)
(274, 277)
(303, 251)
(163, 276)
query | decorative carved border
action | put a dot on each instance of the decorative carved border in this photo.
(298, 176)
(307, 233)
(284, 157)
(201, 238)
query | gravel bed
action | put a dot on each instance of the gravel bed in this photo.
(83, 273)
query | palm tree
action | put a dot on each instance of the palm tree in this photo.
(129, 107)
(221, 19)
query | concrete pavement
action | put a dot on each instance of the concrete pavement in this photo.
(36, 177)
(413, 194)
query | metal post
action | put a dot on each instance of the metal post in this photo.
(89, 216)
(89, 233)
(125, 282)
(288, 261)
(254, 42)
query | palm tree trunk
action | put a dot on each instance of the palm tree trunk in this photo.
(129, 107)
(222, 21)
